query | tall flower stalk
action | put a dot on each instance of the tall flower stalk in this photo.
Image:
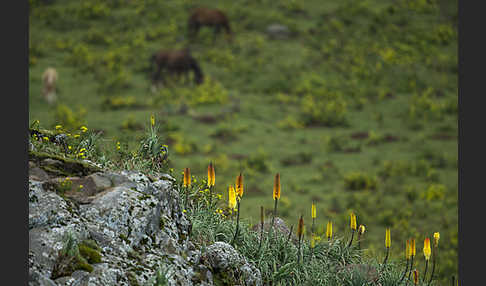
(361, 231)
(329, 230)
(427, 252)
(415, 277)
(187, 184)
(262, 220)
(387, 244)
(408, 254)
(412, 255)
(313, 215)
(276, 197)
(300, 232)
(231, 199)
(239, 195)
(353, 227)
(434, 254)
(211, 181)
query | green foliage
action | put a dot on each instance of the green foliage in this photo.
(69, 119)
(360, 181)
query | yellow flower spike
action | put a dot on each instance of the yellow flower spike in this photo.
(329, 230)
(415, 276)
(312, 242)
(276, 187)
(231, 198)
(211, 174)
(353, 221)
(187, 177)
(313, 210)
(427, 250)
(408, 251)
(239, 185)
(300, 228)
(361, 229)
(412, 247)
(387, 238)
(152, 120)
(436, 239)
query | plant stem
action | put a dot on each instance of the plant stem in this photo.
(351, 240)
(237, 223)
(404, 272)
(425, 271)
(434, 254)
(290, 233)
(411, 266)
(386, 257)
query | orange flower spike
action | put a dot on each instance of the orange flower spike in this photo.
(427, 250)
(300, 228)
(412, 247)
(276, 187)
(239, 185)
(211, 175)
(187, 177)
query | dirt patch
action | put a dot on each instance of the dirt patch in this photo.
(360, 135)
(443, 136)
(207, 118)
(391, 138)
(238, 156)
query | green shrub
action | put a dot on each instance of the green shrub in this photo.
(329, 110)
(69, 119)
(360, 181)
(120, 102)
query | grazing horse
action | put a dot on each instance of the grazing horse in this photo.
(49, 78)
(176, 62)
(208, 17)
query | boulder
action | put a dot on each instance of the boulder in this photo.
(229, 266)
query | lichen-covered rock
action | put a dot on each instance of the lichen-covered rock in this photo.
(228, 265)
(135, 222)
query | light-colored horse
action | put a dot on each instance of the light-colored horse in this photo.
(49, 79)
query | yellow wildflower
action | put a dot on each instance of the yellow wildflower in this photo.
(353, 221)
(387, 238)
(83, 128)
(329, 230)
(231, 198)
(313, 210)
(436, 239)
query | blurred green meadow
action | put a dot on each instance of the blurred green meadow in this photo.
(356, 107)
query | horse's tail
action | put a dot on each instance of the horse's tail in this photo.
(198, 74)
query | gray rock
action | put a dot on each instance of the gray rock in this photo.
(137, 223)
(224, 260)
(278, 31)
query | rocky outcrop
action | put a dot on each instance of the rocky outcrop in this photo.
(120, 228)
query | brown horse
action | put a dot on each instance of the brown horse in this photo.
(214, 18)
(176, 62)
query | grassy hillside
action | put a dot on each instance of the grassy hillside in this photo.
(357, 109)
